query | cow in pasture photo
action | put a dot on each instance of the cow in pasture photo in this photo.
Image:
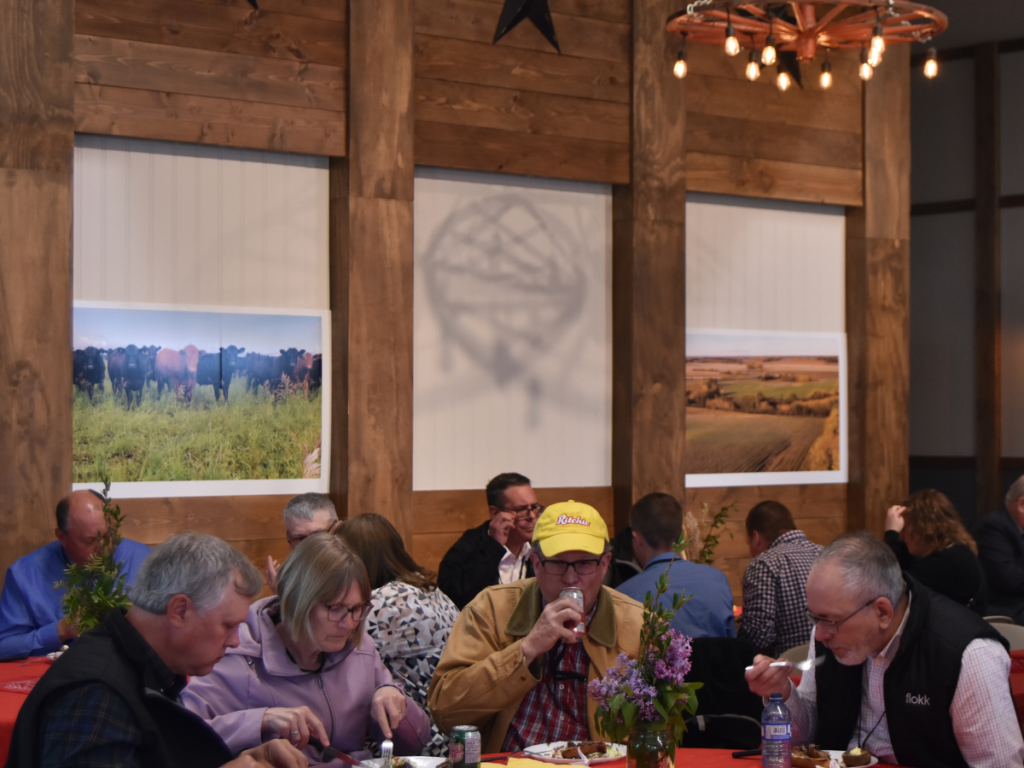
(176, 369)
(88, 369)
(218, 368)
(127, 368)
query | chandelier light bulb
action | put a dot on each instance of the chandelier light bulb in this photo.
(783, 80)
(679, 69)
(753, 68)
(931, 64)
(866, 70)
(732, 43)
(825, 79)
(768, 55)
(877, 46)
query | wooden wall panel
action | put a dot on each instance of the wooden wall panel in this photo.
(214, 72)
(36, 145)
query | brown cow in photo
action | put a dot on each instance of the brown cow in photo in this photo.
(177, 370)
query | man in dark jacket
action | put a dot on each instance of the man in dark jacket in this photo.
(908, 674)
(1000, 538)
(112, 700)
(498, 551)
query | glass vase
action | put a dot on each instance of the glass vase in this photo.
(650, 746)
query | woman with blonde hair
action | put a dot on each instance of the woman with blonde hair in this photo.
(304, 667)
(933, 546)
(411, 618)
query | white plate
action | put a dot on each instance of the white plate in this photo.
(838, 755)
(413, 762)
(543, 752)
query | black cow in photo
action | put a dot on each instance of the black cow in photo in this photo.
(217, 369)
(127, 368)
(316, 374)
(149, 355)
(88, 369)
(284, 365)
(259, 368)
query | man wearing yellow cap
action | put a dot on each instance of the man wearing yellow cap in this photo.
(514, 666)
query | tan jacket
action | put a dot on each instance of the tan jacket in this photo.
(482, 676)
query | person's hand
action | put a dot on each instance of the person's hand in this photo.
(894, 518)
(556, 622)
(276, 753)
(294, 724)
(501, 524)
(388, 708)
(66, 630)
(272, 568)
(764, 680)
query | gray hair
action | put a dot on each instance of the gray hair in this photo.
(197, 566)
(868, 566)
(304, 506)
(1015, 492)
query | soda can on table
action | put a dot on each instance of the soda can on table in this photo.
(464, 747)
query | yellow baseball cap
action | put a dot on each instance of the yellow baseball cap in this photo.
(570, 526)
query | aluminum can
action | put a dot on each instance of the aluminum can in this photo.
(576, 594)
(464, 747)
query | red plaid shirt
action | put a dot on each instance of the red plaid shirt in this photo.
(556, 708)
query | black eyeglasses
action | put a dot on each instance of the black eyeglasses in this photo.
(339, 612)
(521, 513)
(294, 541)
(833, 626)
(559, 567)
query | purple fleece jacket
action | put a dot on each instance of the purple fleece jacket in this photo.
(258, 674)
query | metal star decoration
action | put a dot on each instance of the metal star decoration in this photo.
(537, 11)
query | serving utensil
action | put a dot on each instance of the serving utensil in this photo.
(798, 666)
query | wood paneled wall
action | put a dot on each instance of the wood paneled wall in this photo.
(36, 149)
(209, 72)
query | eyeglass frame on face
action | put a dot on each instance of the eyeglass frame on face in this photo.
(523, 512)
(575, 566)
(832, 627)
(299, 539)
(343, 611)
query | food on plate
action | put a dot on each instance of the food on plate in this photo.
(856, 756)
(809, 756)
(586, 749)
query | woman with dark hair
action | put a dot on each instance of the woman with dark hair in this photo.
(304, 667)
(411, 618)
(933, 546)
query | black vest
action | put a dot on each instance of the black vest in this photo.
(918, 686)
(111, 654)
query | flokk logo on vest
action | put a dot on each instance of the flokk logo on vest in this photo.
(571, 520)
(920, 700)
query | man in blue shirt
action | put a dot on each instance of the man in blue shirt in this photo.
(657, 522)
(32, 620)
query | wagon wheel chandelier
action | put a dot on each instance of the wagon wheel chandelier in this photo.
(786, 33)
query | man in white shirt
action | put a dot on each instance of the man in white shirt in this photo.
(907, 674)
(498, 551)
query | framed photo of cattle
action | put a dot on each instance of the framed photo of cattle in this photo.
(200, 401)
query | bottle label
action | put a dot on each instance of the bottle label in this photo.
(776, 731)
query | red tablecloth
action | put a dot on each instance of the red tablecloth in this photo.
(10, 702)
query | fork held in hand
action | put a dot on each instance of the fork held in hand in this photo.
(387, 747)
(798, 666)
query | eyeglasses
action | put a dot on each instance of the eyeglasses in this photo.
(521, 513)
(339, 612)
(559, 567)
(832, 627)
(294, 541)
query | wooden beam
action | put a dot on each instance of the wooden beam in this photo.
(987, 292)
(372, 269)
(649, 277)
(878, 301)
(36, 150)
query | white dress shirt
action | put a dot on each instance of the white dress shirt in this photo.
(513, 567)
(984, 720)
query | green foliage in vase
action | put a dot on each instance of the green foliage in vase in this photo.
(650, 692)
(96, 588)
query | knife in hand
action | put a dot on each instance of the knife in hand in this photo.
(330, 752)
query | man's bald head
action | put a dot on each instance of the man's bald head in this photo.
(80, 523)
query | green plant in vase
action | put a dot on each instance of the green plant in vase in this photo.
(643, 702)
(94, 589)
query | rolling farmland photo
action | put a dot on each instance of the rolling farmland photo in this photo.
(762, 414)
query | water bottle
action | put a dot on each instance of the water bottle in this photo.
(776, 734)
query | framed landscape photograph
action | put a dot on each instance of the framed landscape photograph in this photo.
(765, 408)
(200, 401)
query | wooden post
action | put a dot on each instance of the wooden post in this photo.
(878, 301)
(987, 293)
(649, 277)
(371, 270)
(36, 150)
